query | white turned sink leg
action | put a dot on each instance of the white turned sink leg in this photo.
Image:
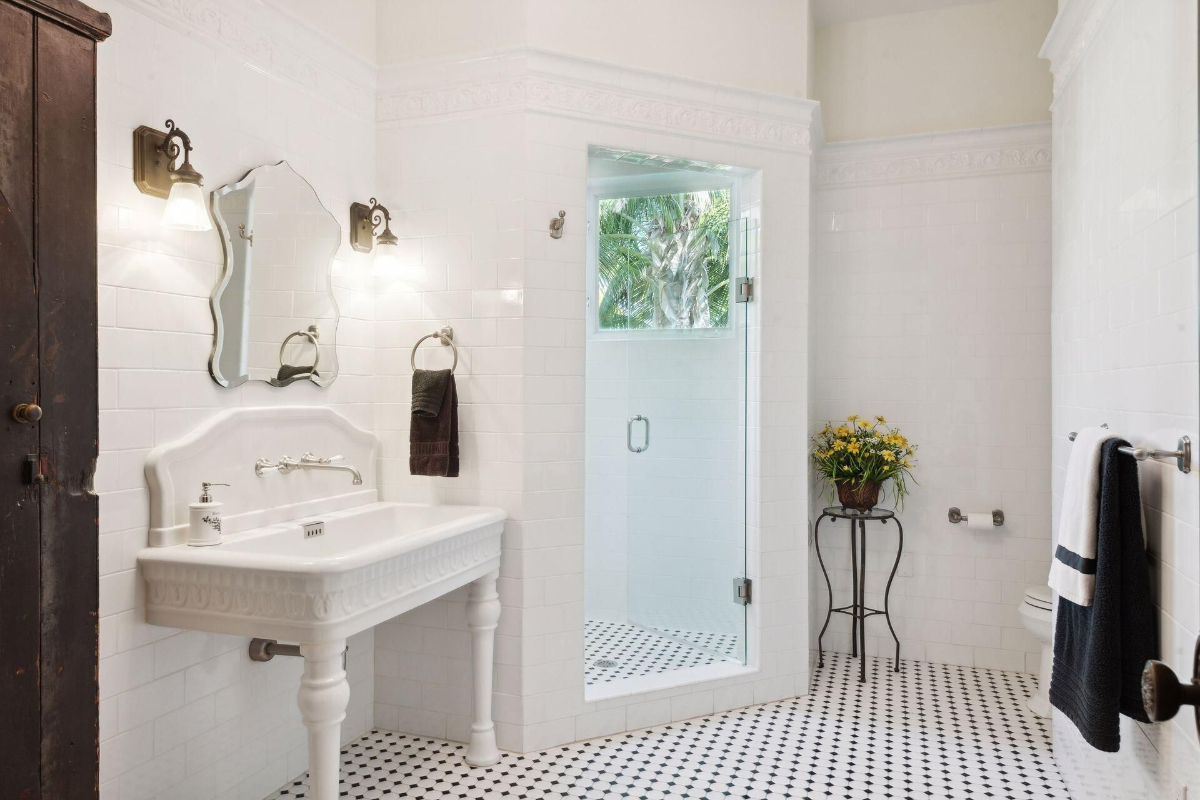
(483, 610)
(323, 697)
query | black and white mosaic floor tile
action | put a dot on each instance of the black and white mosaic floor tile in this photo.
(723, 644)
(930, 731)
(614, 651)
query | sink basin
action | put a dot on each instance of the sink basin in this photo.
(366, 565)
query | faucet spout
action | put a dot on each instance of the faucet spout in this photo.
(357, 476)
(308, 461)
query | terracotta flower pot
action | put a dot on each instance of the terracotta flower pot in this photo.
(859, 495)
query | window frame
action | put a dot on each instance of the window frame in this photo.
(642, 186)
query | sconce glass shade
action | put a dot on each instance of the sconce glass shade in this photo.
(387, 260)
(185, 209)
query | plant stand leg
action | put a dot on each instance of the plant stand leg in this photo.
(887, 593)
(323, 697)
(853, 590)
(483, 611)
(862, 602)
(829, 588)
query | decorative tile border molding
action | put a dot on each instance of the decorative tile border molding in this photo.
(1075, 28)
(599, 91)
(269, 38)
(986, 150)
(503, 95)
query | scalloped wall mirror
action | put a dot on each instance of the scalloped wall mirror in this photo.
(275, 313)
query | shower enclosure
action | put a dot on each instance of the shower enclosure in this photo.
(670, 251)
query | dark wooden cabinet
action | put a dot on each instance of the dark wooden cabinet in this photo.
(48, 512)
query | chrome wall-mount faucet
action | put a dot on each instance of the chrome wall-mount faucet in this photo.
(287, 464)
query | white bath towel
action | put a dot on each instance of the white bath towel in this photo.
(1073, 571)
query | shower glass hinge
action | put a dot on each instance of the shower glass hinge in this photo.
(741, 591)
(745, 290)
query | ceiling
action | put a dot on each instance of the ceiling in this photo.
(827, 12)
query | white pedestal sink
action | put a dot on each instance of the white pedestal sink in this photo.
(273, 577)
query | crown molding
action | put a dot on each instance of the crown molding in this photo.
(1077, 25)
(525, 79)
(1011, 148)
(263, 34)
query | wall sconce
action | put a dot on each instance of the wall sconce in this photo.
(155, 174)
(364, 220)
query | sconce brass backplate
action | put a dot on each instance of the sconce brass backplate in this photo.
(362, 228)
(151, 166)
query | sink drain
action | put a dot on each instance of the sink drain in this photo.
(605, 663)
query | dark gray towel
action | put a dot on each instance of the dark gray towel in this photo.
(433, 438)
(1099, 650)
(428, 390)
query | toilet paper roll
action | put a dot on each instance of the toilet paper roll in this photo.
(979, 520)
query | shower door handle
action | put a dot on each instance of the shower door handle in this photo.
(629, 434)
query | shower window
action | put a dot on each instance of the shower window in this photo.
(662, 260)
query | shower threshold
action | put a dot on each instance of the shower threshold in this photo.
(623, 658)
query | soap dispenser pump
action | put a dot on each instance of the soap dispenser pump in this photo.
(204, 518)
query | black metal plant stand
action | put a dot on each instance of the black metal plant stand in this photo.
(858, 610)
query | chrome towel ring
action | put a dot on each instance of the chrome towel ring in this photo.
(311, 334)
(445, 336)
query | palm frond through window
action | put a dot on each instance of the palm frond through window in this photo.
(663, 261)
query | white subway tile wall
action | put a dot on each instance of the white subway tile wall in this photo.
(1125, 325)
(932, 308)
(186, 714)
(607, 483)
(477, 170)
(456, 194)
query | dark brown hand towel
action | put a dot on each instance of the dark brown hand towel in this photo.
(428, 390)
(287, 371)
(433, 438)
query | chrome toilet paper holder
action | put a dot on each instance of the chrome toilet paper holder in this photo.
(956, 516)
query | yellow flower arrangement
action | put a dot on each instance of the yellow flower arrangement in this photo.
(865, 453)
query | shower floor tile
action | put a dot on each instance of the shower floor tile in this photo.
(723, 644)
(930, 731)
(615, 651)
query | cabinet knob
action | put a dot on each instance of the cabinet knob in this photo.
(1163, 694)
(27, 412)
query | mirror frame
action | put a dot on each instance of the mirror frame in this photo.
(214, 300)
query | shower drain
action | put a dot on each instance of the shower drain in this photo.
(605, 663)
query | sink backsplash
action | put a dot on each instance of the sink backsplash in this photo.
(225, 448)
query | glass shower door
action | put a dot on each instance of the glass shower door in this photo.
(686, 473)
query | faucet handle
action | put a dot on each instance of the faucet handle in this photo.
(265, 465)
(311, 458)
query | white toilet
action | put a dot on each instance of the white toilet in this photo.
(1037, 612)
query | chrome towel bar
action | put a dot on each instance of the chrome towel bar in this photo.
(1182, 453)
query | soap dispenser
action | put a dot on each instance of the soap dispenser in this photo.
(204, 519)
